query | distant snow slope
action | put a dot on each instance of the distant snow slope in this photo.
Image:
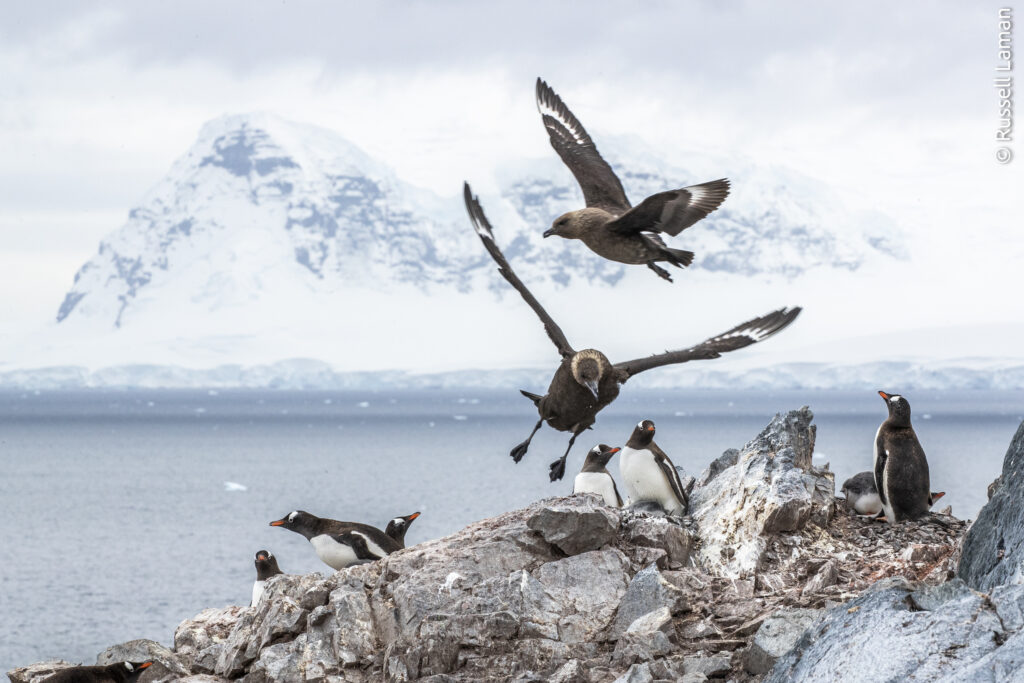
(270, 241)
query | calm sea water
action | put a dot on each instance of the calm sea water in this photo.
(115, 521)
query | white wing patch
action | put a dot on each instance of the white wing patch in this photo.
(577, 136)
(370, 545)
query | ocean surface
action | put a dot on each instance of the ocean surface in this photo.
(124, 512)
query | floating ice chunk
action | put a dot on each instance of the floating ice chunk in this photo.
(363, 404)
(460, 418)
(235, 486)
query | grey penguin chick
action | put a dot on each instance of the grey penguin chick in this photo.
(862, 496)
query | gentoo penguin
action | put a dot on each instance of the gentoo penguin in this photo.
(398, 526)
(586, 381)
(595, 477)
(648, 474)
(339, 544)
(266, 566)
(610, 226)
(901, 469)
(862, 496)
(120, 672)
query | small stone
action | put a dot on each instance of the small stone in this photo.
(710, 666)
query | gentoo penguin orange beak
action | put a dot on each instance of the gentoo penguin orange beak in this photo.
(884, 395)
(651, 428)
(413, 516)
(280, 522)
(614, 450)
(145, 665)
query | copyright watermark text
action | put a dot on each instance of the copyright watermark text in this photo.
(1004, 86)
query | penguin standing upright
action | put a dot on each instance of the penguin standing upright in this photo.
(901, 469)
(121, 672)
(649, 475)
(595, 477)
(266, 566)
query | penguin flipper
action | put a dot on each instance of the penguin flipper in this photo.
(533, 397)
(883, 457)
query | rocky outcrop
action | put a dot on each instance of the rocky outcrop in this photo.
(993, 553)
(570, 590)
(770, 487)
(901, 629)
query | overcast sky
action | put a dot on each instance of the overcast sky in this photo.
(892, 104)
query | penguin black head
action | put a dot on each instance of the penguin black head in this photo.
(132, 670)
(899, 408)
(266, 565)
(588, 367)
(643, 434)
(399, 525)
(299, 521)
(599, 456)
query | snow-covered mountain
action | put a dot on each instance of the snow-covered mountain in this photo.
(261, 207)
(279, 254)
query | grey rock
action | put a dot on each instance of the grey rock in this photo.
(647, 592)
(572, 671)
(776, 636)
(710, 666)
(823, 578)
(201, 638)
(40, 671)
(638, 673)
(888, 632)
(994, 486)
(727, 459)
(771, 489)
(661, 533)
(166, 664)
(574, 530)
(993, 551)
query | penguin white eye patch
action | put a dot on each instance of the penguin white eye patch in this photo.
(894, 399)
(128, 665)
(291, 517)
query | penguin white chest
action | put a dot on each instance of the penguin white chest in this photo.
(333, 554)
(645, 481)
(599, 483)
(257, 592)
